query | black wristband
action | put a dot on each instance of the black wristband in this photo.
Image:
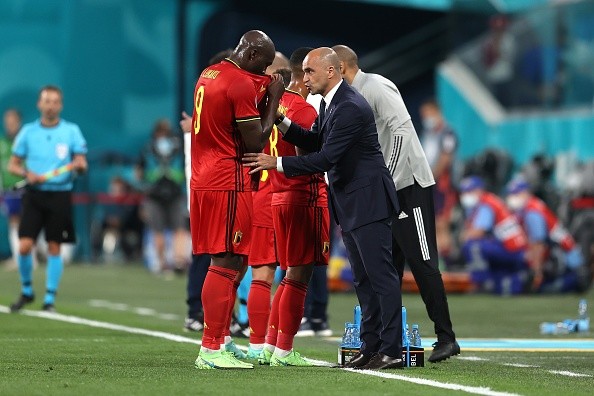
(279, 119)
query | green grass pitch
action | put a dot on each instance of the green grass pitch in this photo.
(41, 356)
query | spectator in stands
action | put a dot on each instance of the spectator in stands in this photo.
(161, 173)
(121, 227)
(556, 261)
(494, 243)
(11, 200)
(439, 142)
(498, 58)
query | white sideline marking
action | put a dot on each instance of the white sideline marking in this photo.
(568, 373)
(520, 365)
(444, 385)
(142, 311)
(182, 339)
(104, 325)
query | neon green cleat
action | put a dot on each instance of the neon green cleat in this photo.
(292, 359)
(265, 356)
(238, 353)
(219, 360)
(253, 354)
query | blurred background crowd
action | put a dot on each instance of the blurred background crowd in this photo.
(500, 92)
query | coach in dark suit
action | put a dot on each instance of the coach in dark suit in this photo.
(343, 142)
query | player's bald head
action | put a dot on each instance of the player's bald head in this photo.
(346, 55)
(254, 52)
(257, 39)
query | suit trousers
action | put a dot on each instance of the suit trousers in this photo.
(369, 249)
(414, 242)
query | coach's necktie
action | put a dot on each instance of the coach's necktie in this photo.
(322, 112)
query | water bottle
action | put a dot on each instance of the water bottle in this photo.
(565, 327)
(358, 316)
(356, 340)
(347, 337)
(351, 338)
(415, 336)
(583, 321)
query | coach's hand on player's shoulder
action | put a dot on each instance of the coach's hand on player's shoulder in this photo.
(276, 88)
(259, 161)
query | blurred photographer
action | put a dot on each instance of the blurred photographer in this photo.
(555, 259)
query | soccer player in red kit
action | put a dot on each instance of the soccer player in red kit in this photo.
(226, 122)
(262, 258)
(301, 223)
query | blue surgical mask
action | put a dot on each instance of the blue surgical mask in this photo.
(469, 200)
(164, 146)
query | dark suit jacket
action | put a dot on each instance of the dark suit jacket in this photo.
(346, 146)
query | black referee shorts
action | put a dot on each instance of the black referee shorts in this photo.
(50, 211)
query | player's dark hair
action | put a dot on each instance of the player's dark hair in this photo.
(297, 57)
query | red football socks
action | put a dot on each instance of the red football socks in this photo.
(227, 331)
(258, 307)
(292, 304)
(217, 292)
(272, 331)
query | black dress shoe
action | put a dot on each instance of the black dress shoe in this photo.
(443, 350)
(358, 360)
(381, 361)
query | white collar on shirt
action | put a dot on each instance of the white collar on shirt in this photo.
(330, 95)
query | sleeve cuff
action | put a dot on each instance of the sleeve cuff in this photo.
(279, 164)
(284, 125)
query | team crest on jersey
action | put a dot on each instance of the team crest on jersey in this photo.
(61, 151)
(326, 248)
(237, 237)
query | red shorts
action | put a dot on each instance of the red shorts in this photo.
(221, 221)
(302, 235)
(263, 249)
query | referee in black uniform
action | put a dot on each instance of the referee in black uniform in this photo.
(413, 232)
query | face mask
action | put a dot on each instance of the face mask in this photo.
(429, 123)
(164, 146)
(469, 200)
(515, 202)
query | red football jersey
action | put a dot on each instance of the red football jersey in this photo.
(306, 190)
(225, 95)
(263, 197)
